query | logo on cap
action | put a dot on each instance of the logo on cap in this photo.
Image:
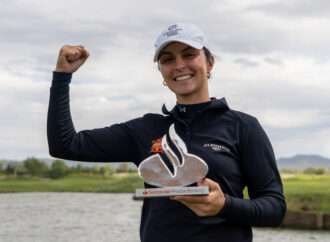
(173, 30)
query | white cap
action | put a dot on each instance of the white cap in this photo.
(188, 34)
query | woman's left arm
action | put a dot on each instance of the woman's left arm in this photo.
(266, 206)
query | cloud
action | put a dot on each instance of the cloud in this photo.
(246, 29)
(271, 64)
(274, 61)
(288, 119)
(313, 142)
(289, 105)
(295, 8)
(246, 62)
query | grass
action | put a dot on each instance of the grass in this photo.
(307, 192)
(303, 192)
(73, 183)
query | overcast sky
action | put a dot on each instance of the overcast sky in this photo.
(273, 62)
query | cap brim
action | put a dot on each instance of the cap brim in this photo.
(194, 44)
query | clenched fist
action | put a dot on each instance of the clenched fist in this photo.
(70, 58)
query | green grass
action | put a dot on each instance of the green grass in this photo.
(307, 192)
(303, 192)
(74, 183)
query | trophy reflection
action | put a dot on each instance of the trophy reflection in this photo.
(176, 181)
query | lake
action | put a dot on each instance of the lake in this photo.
(82, 217)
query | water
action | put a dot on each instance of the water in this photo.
(82, 217)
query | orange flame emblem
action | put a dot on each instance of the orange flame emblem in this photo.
(157, 146)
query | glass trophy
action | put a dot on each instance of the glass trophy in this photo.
(186, 171)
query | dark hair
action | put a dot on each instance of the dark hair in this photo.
(209, 56)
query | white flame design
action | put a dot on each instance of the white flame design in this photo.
(155, 172)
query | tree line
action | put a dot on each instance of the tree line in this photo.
(58, 169)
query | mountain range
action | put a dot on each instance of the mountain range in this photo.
(301, 162)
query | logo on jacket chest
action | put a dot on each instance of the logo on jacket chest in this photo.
(156, 147)
(217, 147)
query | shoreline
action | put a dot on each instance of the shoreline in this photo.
(306, 220)
(307, 197)
(293, 219)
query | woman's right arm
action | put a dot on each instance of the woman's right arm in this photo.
(105, 144)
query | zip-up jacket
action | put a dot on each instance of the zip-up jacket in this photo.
(232, 143)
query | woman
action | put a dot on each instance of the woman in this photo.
(233, 144)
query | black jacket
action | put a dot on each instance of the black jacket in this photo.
(232, 143)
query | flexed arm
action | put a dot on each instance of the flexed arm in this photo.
(104, 144)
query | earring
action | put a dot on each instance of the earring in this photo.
(208, 75)
(164, 83)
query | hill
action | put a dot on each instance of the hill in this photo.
(301, 162)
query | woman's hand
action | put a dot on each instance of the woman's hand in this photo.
(70, 58)
(208, 205)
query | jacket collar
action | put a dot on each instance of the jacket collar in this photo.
(220, 104)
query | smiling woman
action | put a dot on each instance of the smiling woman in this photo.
(185, 71)
(233, 145)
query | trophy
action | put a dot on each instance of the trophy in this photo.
(186, 171)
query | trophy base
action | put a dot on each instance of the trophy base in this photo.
(169, 192)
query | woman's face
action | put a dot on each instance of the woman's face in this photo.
(185, 71)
